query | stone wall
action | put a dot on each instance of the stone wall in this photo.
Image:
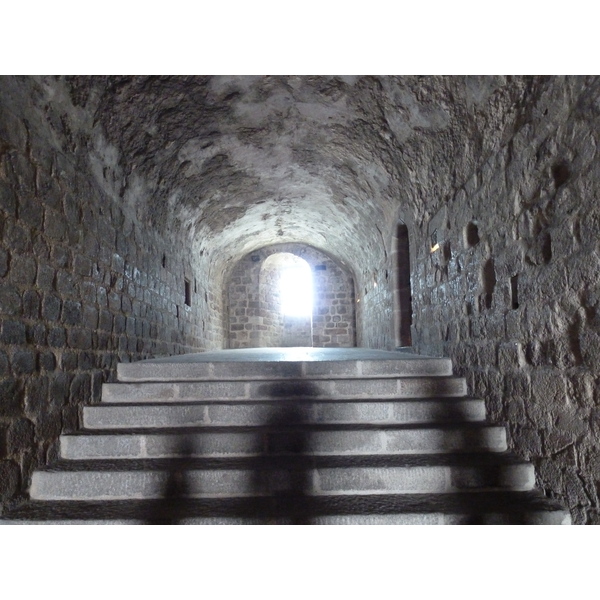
(83, 284)
(513, 292)
(254, 315)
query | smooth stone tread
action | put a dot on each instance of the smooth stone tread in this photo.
(417, 387)
(424, 410)
(414, 509)
(115, 485)
(284, 363)
(294, 440)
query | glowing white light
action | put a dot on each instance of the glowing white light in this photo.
(295, 286)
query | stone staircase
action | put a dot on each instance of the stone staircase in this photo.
(368, 437)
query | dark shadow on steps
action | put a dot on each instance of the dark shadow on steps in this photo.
(285, 475)
(280, 480)
(170, 509)
(470, 440)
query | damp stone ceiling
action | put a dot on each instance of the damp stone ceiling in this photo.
(229, 164)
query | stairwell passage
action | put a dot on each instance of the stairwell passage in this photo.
(287, 436)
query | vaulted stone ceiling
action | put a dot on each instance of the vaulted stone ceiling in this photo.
(242, 162)
(237, 163)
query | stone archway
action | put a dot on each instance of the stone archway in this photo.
(285, 299)
(254, 312)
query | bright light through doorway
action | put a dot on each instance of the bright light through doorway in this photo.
(295, 286)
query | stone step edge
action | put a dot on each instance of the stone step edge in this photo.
(491, 517)
(234, 370)
(518, 477)
(398, 388)
(277, 401)
(299, 427)
(411, 411)
(509, 501)
(372, 441)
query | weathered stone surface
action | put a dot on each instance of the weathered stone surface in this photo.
(9, 479)
(71, 313)
(112, 203)
(3, 262)
(13, 332)
(51, 307)
(10, 300)
(23, 362)
(23, 270)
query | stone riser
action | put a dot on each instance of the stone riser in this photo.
(258, 443)
(196, 371)
(89, 485)
(542, 517)
(105, 416)
(310, 389)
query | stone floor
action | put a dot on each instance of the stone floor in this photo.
(298, 354)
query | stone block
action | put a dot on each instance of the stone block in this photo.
(114, 301)
(17, 238)
(126, 305)
(517, 385)
(528, 441)
(105, 322)
(80, 389)
(31, 304)
(71, 312)
(57, 337)
(90, 317)
(86, 361)
(23, 362)
(11, 397)
(13, 332)
(31, 211)
(10, 300)
(4, 259)
(590, 349)
(4, 364)
(88, 292)
(47, 361)
(65, 284)
(54, 225)
(20, 436)
(69, 360)
(9, 479)
(510, 356)
(82, 265)
(36, 334)
(58, 391)
(45, 277)
(80, 339)
(8, 199)
(61, 256)
(78, 447)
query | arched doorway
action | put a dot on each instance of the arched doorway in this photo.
(254, 299)
(402, 295)
(286, 297)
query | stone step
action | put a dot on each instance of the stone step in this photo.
(428, 410)
(167, 370)
(332, 389)
(195, 479)
(493, 508)
(305, 440)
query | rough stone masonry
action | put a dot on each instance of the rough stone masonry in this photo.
(126, 203)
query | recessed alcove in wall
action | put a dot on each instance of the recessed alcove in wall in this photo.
(402, 290)
(256, 300)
